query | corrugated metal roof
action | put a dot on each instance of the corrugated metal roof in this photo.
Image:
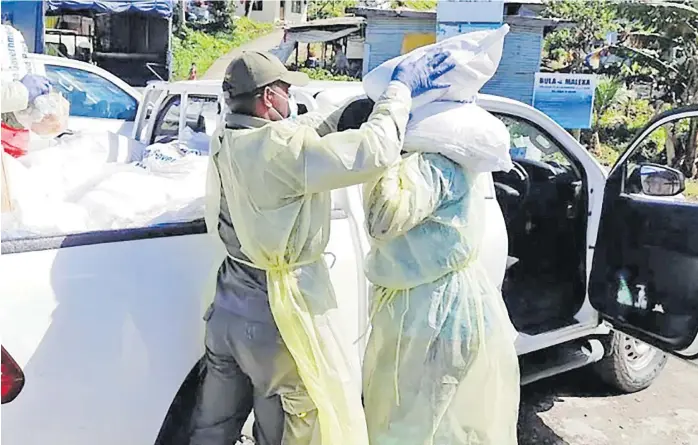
(414, 13)
(515, 20)
(337, 22)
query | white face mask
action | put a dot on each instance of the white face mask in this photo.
(292, 105)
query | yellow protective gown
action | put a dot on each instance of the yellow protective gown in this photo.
(276, 181)
(440, 366)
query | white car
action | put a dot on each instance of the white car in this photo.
(103, 336)
(99, 101)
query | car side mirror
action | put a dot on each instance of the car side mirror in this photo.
(658, 180)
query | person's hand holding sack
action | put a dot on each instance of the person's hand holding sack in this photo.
(47, 115)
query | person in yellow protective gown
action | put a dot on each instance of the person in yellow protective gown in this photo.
(440, 366)
(268, 195)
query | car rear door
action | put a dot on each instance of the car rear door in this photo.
(644, 278)
(151, 95)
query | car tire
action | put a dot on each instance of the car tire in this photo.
(629, 365)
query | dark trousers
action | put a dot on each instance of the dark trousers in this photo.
(249, 368)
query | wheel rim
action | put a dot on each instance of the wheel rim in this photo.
(637, 354)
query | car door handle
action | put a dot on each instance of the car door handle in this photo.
(333, 259)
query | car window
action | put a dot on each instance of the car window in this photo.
(167, 123)
(202, 114)
(670, 145)
(528, 141)
(91, 95)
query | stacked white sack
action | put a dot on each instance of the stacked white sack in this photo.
(464, 133)
(84, 185)
(476, 56)
(167, 186)
(447, 121)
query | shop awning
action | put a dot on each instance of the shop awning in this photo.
(314, 36)
(162, 8)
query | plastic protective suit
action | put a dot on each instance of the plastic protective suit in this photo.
(276, 181)
(15, 96)
(440, 366)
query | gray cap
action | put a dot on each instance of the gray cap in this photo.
(253, 69)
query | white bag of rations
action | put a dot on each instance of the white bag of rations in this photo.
(13, 54)
(464, 133)
(34, 212)
(476, 55)
(47, 116)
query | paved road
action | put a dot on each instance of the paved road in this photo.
(574, 409)
(264, 43)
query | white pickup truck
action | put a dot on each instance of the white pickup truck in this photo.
(102, 333)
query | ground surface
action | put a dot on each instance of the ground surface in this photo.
(574, 409)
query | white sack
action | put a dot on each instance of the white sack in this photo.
(81, 184)
(134, 196)
(464, 133)
(46, 116)
(72, 163)
(35, 211)
(476, 54)
(166, 186)
(13, 54)
(171, 158)
(198, 141)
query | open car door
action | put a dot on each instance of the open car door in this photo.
(644, 277)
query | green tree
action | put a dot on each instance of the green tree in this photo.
(222, 13)
(609, 93)
(323, 9)
(663, 36)
(566, 49)
(420, 5)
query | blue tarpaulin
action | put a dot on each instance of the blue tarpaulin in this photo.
(26, 16)
(162, 8)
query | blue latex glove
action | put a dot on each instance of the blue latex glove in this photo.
(36, 85)
(420, 72)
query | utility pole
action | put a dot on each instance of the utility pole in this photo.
(183, 12)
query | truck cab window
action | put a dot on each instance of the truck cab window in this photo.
(202, 114)
(167, 122)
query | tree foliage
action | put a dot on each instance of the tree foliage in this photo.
(565, 49)
(419, 5)
(222, 13)
(323, 9)
(657, 44)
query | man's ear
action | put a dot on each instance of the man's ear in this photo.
(266, 98)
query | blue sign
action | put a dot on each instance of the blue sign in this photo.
(567, 98)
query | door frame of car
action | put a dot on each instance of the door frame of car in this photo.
(632, 245)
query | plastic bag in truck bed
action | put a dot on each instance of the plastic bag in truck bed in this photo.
(78, 187)
(47, 116)
(476, 55)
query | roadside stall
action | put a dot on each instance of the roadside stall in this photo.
(339, 39)
(131, 39)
